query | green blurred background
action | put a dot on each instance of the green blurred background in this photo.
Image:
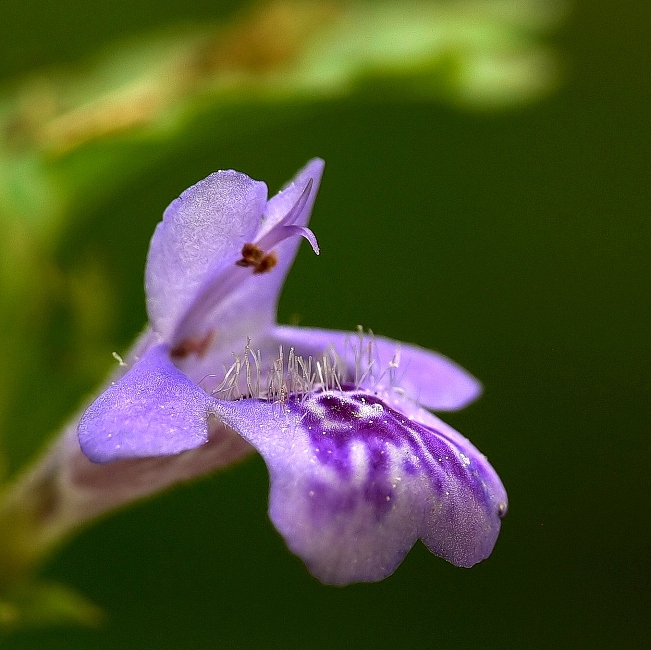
(516, 242)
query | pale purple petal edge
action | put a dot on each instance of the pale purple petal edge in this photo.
(153, 410)
(202, 230)
(428, 378)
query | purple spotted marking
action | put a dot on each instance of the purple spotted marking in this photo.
(335, 421)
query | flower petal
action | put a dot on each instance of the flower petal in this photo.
(257, 299)
(283, 202)
(154, 410)
(239, 304)
(201, 230)
(354, 483)
(427, 377)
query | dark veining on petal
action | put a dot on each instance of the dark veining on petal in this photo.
(336, 420)
(326, 503)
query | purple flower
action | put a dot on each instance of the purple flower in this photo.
(359, 469)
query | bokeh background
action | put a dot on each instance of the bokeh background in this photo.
(515, 241)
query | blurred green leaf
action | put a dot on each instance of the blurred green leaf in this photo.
(72, 136)
(44, 604)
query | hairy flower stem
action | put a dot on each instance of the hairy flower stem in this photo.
(32, 520)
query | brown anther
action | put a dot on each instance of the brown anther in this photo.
(194, 345)
(252, 255)
(266, 263)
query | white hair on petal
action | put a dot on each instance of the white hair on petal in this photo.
(291, 374)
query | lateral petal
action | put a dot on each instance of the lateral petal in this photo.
(153, 410)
